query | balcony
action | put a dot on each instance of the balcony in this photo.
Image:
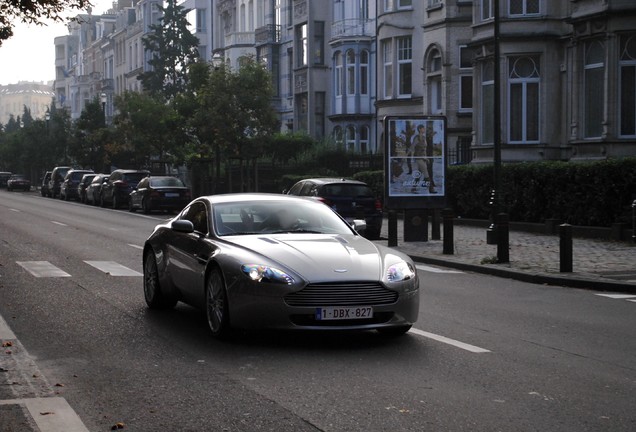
(269, 34)
(354, 27)
(239, 38)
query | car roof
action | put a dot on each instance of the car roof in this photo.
(329, 180)
(252, 196)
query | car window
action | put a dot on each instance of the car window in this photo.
(198, 215)
(295, 190)
(346, 190)
(166, 181)
(307, 188)
(134, 177)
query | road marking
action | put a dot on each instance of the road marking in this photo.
(14, 210)
(135, 246)
(59, 223)
(5, 331)
(443, 339)
(42, 269)
(435, 269)
(618, 296)
(112, 268)
(51, 414)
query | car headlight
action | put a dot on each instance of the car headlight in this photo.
(400, 272)
(263, 273)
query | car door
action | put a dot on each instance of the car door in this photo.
(188, 253)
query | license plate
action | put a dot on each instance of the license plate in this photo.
(171, 195)
(344, 313)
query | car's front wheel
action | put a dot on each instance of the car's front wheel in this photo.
(154, 296)
(216, 305)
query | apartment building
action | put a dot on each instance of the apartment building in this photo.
(35, 96)
(567, 69)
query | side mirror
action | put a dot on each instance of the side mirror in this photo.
(182, 225)
(359, 225)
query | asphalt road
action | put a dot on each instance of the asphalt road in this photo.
(487, 354)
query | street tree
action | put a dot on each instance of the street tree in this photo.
(173, 48)
(148, 129)
(90, 138)
(34, 12)
(235, 114)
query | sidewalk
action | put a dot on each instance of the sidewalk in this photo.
(597, 264)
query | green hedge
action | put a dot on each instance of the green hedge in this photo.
(579, 193)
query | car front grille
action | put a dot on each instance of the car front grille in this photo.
(342, 294)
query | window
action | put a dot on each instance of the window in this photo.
(523, 7)
(301, 45)
(290, 69)
(351, 138)
(523, 106)
(319, 114)
(337, 136)
(364, 72)
(487, 10)
(594, 95)
(364, 139)
(338, 73)
(351, 72)
(405, 60)
(318, 42)
(301, 111)
(627, 64)
(387, 55)
(434, 81)
(487, 103)
(465, 80)
(391, 5)
(200, 17)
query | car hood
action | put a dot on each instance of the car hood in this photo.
(319, 257)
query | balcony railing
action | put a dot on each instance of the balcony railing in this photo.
(353, 27)
(239, 38)
(267, 34)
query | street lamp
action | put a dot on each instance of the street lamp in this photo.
(104, 98)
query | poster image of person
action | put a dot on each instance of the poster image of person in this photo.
(416, 161)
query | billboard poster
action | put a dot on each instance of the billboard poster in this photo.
(415, 162)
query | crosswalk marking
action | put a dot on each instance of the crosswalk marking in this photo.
(58, 223)
(112, 268)
(434, 269)
(618, 296)
(42, 269)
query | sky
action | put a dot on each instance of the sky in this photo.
(30, 54)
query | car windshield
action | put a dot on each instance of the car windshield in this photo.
(349, 190)
(135, 177)
(270, 217)
(166, 181)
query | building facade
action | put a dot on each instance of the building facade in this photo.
(36, 97)
(566, 81)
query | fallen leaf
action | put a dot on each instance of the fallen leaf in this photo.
(59, 385)
(7, 344)
(47, 413)
(118, 425)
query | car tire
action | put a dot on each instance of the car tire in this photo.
(216, 305)
(153, 294)
(102, 201)
(145, 206)
(116, 203)
(131, 207)
(394, 331)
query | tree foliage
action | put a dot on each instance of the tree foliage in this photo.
(173, 48)
(33, 12)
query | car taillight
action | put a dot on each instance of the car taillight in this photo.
(378, 204)
(325, 201)
(155, 194)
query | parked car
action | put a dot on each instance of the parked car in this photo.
(4, 177)
(116, 191)
(68, 190)
(57, 178)
(18, 181)
(44, 184)
(350, 198)
(273, 261)
(83, 184)
(159, 193)
(93, 190)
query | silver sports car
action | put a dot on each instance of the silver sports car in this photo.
(261, 261)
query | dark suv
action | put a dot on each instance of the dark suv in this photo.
(116, 191)
(351, 199)
(68, 190)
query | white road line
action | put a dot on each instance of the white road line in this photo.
(434, 269)
(112, 268)
(618, 296)
(443, 339)
(14, 210)
(51, 414)
(58, 223)
(42, 269)
(5, 331)
(135, 246)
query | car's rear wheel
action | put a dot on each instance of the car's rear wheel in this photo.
(131, 208)
(216, 305)
(116, 204)
(102, 201)
(155, 297)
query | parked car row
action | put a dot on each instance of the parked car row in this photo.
(123, 188)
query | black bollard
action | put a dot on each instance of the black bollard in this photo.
(565, 248)
(449, 241)
(435, 232)
(502, 227)
(393, 228)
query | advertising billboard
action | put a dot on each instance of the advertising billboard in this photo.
(415, 163)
